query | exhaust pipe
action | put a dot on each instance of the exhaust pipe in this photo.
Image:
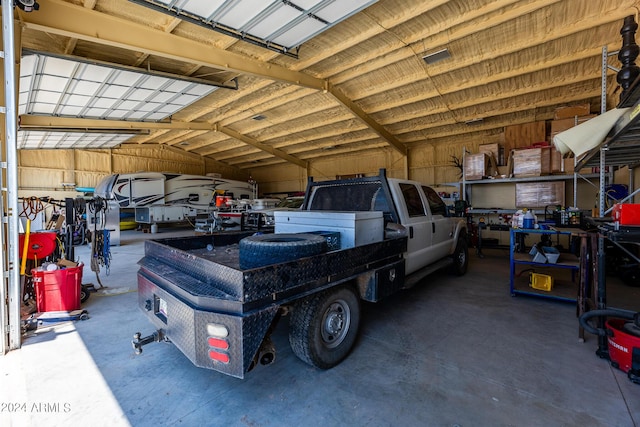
(267, 352)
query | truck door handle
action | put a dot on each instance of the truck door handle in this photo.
(411, 232)
(433, 227)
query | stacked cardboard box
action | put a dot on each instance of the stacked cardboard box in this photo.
(540, 194)
(476, 166)
(567, 117)
(532, 162)
(572, 111)
(494, 150)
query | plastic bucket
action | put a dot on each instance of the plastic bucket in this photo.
(58, 290)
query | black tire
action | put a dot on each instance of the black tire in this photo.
(266, 249)
(84, 294)
(460, 257)
(324, 327)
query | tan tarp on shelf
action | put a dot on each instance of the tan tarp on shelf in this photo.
(588, 135)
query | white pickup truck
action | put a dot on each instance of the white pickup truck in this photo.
(218, 297)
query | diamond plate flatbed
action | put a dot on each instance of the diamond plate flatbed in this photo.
(199, 281)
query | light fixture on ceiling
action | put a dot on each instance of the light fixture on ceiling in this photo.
(474, 121)
(184, 143)
(27, 5)
(259, 117)
(432, 58)
(281, 25)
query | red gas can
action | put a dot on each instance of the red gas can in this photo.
(626, 213)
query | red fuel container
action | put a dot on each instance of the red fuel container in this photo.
(626, 213)
(58, 290)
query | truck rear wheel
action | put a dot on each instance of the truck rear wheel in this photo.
(323, 327)
(460, 256)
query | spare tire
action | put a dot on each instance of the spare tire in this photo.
(266, 249)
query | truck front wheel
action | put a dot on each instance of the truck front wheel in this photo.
(323, 327)
(460, 256)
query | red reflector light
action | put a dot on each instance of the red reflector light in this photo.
(218, 343)
(220, 357)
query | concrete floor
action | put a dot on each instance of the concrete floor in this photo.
(451, 352)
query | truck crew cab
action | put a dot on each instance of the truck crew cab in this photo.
(218, 297)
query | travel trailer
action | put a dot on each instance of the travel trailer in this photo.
(140, 189)
(170, 197)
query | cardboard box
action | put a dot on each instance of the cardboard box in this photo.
(476, 166)
(539, 194)
(557, 163)
(523, 135)
(569, 165)
(66, 263)
(558, 126)
(493, 149)
(532, 162)
(572, 111)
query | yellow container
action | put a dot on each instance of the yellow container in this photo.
(542, 282)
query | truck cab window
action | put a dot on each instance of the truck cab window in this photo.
(436, 204)
(412, 200)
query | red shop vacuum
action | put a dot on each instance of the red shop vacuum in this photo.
(622, 333)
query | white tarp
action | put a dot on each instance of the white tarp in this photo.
(588, 135)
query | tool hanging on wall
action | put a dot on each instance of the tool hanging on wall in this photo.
(31, 245)
(100, 243)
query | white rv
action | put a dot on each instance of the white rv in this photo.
(169, 197)
(139, 189)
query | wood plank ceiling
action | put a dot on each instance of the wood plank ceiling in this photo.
(362, 85)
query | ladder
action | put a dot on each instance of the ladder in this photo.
(10, 290)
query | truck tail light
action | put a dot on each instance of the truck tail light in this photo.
(220, 357)
(218, 344)
(217, 330)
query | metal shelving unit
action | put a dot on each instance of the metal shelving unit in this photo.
(570, 262)
(544, 178)
(621, 147)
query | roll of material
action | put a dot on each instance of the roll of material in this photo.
(588, 135)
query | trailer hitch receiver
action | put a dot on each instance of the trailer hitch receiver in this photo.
(138, 341)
